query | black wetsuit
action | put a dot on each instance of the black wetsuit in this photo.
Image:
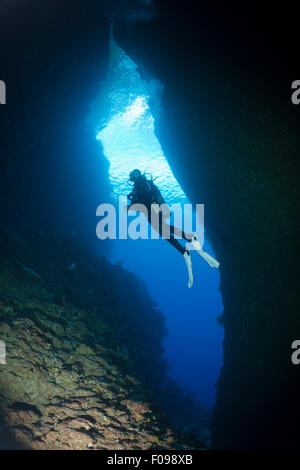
(146, 192)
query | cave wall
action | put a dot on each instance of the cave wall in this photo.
(53, 60)
(79, 354)
(230, 133)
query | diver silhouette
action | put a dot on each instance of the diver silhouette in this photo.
(147, 194)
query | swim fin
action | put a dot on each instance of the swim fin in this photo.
(188, 260)
(209, 259)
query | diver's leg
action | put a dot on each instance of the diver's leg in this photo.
(209, 259)
(168, 228)
(181, 234)
(162, 230)
(188, 262)
(187, 257)
(174, 242)
(171, 231)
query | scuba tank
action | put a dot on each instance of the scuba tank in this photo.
(156, 196)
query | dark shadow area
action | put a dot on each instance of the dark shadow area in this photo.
(53, 60)
(7, 439)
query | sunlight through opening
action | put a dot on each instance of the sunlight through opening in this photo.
(128, 135)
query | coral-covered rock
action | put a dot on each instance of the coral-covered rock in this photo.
(70, 377)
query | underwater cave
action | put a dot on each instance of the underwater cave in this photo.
(127, 135)
(202, 101)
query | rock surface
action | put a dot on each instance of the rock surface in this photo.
(69, 380)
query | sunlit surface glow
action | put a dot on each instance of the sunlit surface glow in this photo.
(128, 136)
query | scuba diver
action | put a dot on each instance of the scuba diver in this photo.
(145, 192)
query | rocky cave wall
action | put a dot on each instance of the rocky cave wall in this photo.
(80, 348)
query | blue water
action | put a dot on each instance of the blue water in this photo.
(127, 134)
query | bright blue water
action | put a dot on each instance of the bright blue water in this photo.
(193, 344)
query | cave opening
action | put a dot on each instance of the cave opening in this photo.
(124, 120)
